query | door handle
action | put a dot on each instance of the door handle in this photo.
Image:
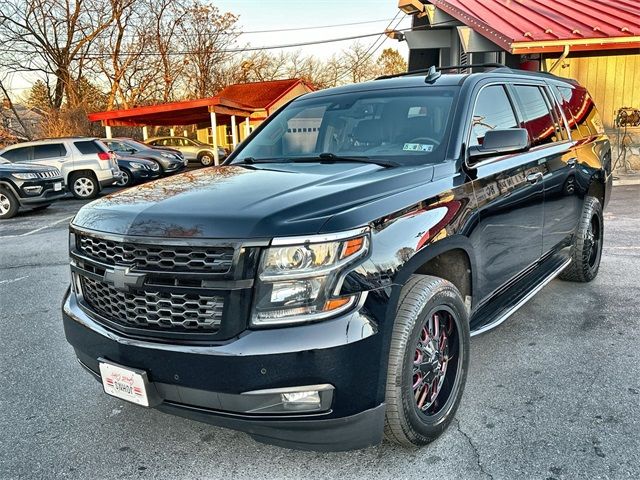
(534, 177)
(571, 163)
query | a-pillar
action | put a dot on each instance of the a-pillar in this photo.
(234, 132)
(214, 136)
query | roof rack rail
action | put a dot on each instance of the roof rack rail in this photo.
(432, 69)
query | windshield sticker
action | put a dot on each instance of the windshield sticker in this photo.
(418, 147)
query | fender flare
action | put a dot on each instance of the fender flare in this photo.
(422, 256)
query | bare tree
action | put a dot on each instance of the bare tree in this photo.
(52, 37)
(206, 34)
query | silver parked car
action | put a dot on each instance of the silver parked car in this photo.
(85, 163)
(193, 150)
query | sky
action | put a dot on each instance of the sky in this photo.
(286, 14)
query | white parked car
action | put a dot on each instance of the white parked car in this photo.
(85, 163)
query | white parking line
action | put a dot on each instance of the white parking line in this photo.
(13, 280)
(30, 232)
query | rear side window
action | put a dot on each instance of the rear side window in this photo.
(536, 117)
(87, 147)
(493, 110)
(51, 150)
(21, 154)
(580, 112)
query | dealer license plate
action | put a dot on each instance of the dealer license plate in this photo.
(57, 186)
(123, 383)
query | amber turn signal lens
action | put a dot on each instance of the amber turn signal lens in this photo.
(336, 303)
(352, 246)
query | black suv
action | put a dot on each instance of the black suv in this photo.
(28, 185)
(320, 289)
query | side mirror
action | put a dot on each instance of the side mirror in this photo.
(498, 142)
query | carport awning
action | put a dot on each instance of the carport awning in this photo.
(189, 112)
(539, 26)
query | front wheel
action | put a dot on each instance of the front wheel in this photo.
(206, 159)
(428, 361)
(126, 180)
(8, 204)
(586, 250)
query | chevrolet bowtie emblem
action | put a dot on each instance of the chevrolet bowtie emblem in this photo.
(122, 278)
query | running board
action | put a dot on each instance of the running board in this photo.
(495, 312)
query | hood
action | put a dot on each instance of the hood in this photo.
(252, 201)
(25, 167)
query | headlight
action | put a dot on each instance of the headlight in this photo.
(25, 176)
(298, 277)
(168, 155)
(137, 165)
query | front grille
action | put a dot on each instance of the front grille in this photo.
(158, 257)
(152, 310)
(49, 174)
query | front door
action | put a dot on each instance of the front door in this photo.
(509, 192)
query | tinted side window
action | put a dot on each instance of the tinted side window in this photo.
(18, 154)
(51, 150)
(536, 117)
(576, 106)
(88, 147)
(493, 110)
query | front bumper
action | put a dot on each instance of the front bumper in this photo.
(141, 175)
(193, 380)
(48, 194)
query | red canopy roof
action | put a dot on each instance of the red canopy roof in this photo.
(536, 26)
(241, 99)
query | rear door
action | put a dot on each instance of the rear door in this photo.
(509, 192)
(539, 114)
(51, 154)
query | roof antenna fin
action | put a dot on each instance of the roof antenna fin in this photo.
(432, 75)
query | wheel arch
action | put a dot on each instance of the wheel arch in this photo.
(12, 188)
(452, 259)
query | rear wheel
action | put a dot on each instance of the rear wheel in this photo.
(428, 361)
(8, 204)
(586, 250)
(84, 185)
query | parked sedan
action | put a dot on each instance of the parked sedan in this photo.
(170, 161)
(28, 185)
(136, 170)
(193, 150)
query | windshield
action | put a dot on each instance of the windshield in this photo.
(406, 127)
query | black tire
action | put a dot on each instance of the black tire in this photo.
(9, 205)
(206, 159)
(586, 250)
(409, 421)
(83, 185)
(126, 180)
(41, 207)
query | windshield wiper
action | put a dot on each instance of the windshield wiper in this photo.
(332, 157)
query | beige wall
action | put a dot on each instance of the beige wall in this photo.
(613, 81)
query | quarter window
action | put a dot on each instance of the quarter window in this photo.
(536, 117)
(492, 111)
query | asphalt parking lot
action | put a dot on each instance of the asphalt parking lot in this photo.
(554, 393)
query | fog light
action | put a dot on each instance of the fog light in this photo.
(301, 400)
(32, 190)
